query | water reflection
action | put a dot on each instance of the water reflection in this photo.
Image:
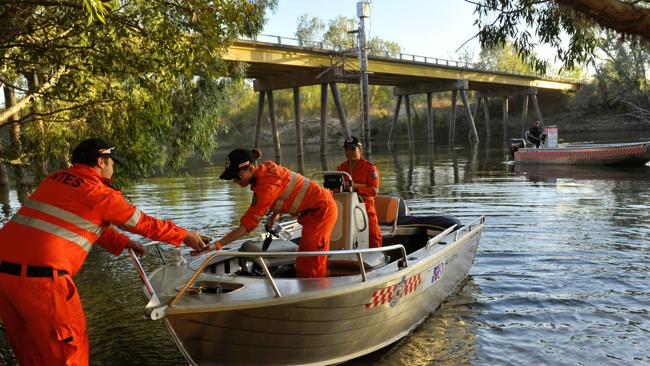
(562, 274)
(448, 337)
(550, 173)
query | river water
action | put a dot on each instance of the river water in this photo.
(562, 273)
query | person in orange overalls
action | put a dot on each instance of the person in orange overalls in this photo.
(365, 177)
(278, 190)
(46, 242)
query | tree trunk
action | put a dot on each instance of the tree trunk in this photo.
(41, 156)
(14, 136)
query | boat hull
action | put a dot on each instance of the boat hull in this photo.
(319, 330)
(606, 154)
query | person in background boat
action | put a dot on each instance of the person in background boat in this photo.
(46, 242)
(535, 135)
(278, 190)
(366, 183)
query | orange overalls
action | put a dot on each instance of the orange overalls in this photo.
(44, 245)
(280, 190)
(366, 173)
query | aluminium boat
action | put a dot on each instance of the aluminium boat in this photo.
(243, 305)
(550, 152)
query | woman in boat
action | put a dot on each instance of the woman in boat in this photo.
(278, 190)
(366, 183)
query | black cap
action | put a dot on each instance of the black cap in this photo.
(352, 142)
(236, 160)
(89, 150)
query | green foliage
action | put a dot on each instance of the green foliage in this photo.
(146, 76)
(505, 58)
(337, 32)
(309, 28)
(622, 76)
(503, 21)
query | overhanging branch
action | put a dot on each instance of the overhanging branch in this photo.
(24, 102)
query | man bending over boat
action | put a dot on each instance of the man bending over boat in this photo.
(278, 190)
(365, 177)
(46, 243)
(535, 135)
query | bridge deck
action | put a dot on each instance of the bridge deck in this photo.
(278, 66)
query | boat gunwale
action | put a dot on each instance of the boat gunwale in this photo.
(394, 275)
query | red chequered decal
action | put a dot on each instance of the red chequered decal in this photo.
(581, 154)
(389, 295)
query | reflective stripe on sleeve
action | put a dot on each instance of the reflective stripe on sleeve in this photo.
(65, 215)
(133, 220)
(54, 230)
(301, 194)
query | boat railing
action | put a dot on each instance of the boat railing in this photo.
(155, 310)
(259, 259)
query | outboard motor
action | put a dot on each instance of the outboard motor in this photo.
(516, 144)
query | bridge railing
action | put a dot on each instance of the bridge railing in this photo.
(320, 45)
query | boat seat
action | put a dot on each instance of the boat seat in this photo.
(348, 265)
(351, 228)
(277, 245)
(387, 213)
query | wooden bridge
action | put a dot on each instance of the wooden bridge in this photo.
(280, 63)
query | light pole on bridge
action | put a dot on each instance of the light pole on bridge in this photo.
(363, 11)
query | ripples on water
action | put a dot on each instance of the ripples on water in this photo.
(561, 274)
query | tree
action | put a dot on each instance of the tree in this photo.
(309, 28)
(580, 20)
(144, 74)
(503, 58)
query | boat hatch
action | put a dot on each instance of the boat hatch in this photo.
(212, 287)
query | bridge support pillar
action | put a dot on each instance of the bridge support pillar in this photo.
(323, 126)
(297, 118)
(339, 107)
(476, 108)
(274, 129)
(505, 116)
(430, 134)
(473, 135)
(258, 122)
(452, 118)
(409, 126)
(486, 111)
(398, 103)
(524, 113)
(538, 112)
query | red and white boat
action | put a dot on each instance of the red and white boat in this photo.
(550, 152)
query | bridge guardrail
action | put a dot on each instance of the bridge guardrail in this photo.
(320, 45)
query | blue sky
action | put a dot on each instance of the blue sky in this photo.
(422, 27)
(434, 28)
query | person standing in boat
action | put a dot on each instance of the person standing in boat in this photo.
(365, 177)
(535, 135)
(46, 242)
(278, 190)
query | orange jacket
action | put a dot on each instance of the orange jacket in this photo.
(280, 190)
(70, 211)
(364, 173)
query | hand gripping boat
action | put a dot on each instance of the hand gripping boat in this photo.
(244, 306)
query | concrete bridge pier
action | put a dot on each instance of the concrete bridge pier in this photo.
(452, 118)
(323, 127)
(297, 119)
(505, 92)
(265, 88)
(455, 86)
